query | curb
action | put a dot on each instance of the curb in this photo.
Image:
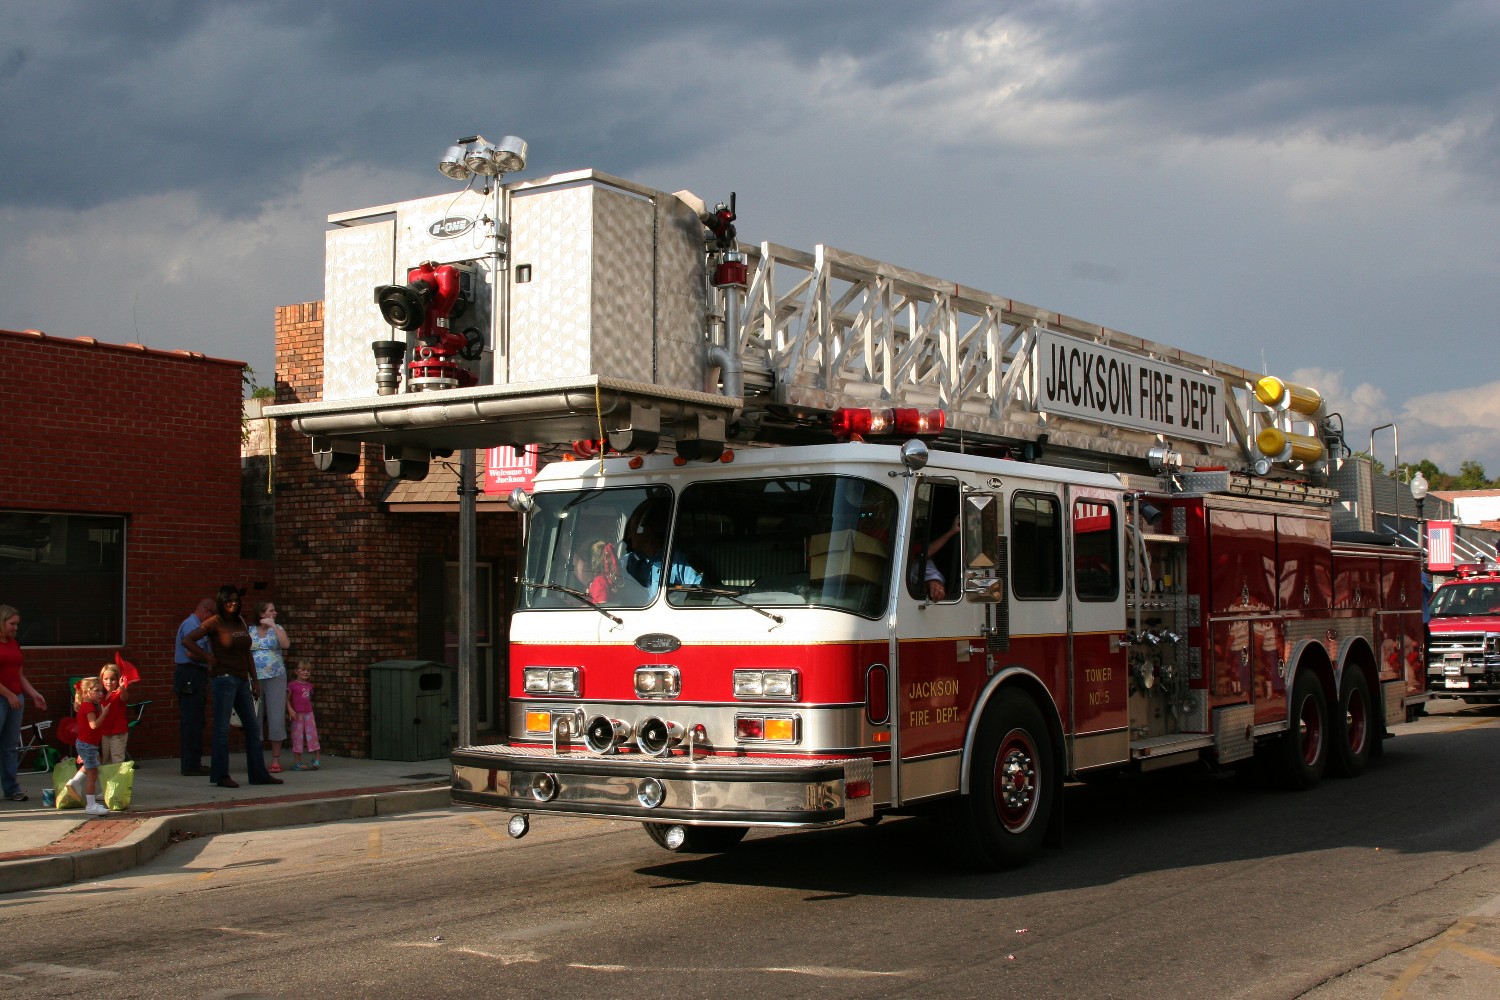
(153, 834)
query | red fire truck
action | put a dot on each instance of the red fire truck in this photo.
(840, 539)
(1463, 646)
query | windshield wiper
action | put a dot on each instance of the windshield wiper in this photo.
(693, 588)
(580, 595)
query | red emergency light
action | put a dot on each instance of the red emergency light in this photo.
(852, 423)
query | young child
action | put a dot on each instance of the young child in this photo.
(116, 728)
(88, 700)
(299, 712)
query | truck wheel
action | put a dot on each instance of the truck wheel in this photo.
(697, 839)
(1354, 727)
(1012, 783)
(1303, 750)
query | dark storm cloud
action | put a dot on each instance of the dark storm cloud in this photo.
(1382, 68)
(234, 101)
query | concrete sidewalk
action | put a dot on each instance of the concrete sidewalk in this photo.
(41, 846)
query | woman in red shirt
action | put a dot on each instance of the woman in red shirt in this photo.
(14, 690)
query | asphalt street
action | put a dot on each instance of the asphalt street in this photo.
(1175, 884)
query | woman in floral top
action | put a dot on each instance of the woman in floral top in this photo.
(267, 640)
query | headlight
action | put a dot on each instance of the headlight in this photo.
(657, 682)
(555, 681)
(778, 685)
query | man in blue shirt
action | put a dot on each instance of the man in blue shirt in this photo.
(190, 684)
(641, 551)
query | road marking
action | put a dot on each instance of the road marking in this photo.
(1478, 955)
(486, 828)
(1461, 726)
(1445, 941)
(817, 971)
(57, 971)
(246, 932)
(372, 847)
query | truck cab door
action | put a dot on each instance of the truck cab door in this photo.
(1098, 651)
(941, 664)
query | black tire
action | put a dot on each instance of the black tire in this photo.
(1355, 727)
(699, 839)
(1013, 784)
(1302, 752)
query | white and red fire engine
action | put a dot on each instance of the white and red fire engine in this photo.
(1463, 644)
(842, 539)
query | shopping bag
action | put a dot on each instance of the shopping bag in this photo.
(119, 782)
(234, 717)
(65, 795)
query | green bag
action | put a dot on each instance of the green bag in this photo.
(118, 781)
(61, 774)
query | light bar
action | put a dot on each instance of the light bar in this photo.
(857, 422)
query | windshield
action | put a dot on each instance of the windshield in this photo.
(1461, 599)
(793, 540)
(800, 540)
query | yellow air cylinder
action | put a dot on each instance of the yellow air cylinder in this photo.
(1284, 446)
(1279, 395)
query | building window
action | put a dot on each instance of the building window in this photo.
(66, 575)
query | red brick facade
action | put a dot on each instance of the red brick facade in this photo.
(346, 566)
(153, 436)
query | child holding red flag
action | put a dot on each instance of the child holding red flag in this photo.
(114, 731)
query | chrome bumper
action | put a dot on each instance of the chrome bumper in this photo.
(706, 791)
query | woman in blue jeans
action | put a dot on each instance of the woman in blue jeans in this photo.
(14, 689)
(231, 671)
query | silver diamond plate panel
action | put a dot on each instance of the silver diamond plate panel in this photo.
(1233, 727)
(357, 259)
(578, 315)
(1393, 694)
(605, 282)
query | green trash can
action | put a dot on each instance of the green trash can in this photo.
(410, 717)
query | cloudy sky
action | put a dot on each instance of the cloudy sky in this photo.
(1302, 187)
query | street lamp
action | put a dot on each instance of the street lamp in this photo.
(472, 156)
(1419, 493)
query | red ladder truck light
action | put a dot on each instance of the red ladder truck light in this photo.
(849, 422)
(918, 423)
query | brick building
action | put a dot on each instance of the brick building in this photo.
(119, 509)
(366, 567)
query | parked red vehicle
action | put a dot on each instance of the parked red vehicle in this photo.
(1463, 651)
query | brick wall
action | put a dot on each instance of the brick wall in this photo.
(346, 568)
(154, 436)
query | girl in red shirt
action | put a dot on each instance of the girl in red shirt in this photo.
(88, 700)
(116, 728)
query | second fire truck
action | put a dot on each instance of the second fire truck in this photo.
(1463, 647)
(839, 539)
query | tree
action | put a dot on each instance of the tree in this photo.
(1471, 477)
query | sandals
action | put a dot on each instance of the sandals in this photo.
(299, 766)
(315, 764)
(275, 767)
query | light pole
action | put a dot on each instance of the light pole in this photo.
(467, 158)
(1419, 493)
